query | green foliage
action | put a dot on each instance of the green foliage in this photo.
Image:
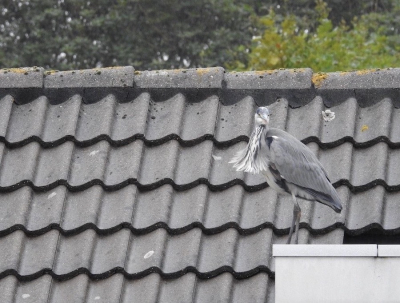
(306, 12)
(155, 34)
(148, 34)
(284, 44)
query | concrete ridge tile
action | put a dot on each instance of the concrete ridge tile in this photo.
(299, 78)
(90, 78)
(24, 77)
(181, 78)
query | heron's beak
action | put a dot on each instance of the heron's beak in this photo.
(265, 118)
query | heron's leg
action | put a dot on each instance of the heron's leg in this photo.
(295, 221)
(298, 215)
(292, 227)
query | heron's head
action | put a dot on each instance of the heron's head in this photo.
(262, 116)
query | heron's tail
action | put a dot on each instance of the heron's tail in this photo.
(332, 199)
(335, 203)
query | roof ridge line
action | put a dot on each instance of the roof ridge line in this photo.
(297, 85)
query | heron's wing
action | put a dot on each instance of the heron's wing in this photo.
(296, 163)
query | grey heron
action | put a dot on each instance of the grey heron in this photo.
(289, 166)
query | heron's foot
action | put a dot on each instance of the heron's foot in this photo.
(295, 222)
(296, 240)
(296, 237)
(290, 236)
(291, 229)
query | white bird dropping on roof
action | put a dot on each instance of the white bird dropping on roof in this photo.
(93, 153)
(289, 166)
(328, 115)
(53, 194)
(148, 254)
(216, 158)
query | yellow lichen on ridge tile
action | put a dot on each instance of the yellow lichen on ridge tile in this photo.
(366, 71)
(17, 70)
(268, 71)
(51, 72)
(202, 71)
(318, 79)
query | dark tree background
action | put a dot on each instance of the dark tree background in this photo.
(155, 34)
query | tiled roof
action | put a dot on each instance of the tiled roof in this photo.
(115, 184)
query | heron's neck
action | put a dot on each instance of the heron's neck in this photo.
(256, 139)
(247, 159)
(253, 150)
(259, 129)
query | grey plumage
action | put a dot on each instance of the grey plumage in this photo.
(289, 166)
